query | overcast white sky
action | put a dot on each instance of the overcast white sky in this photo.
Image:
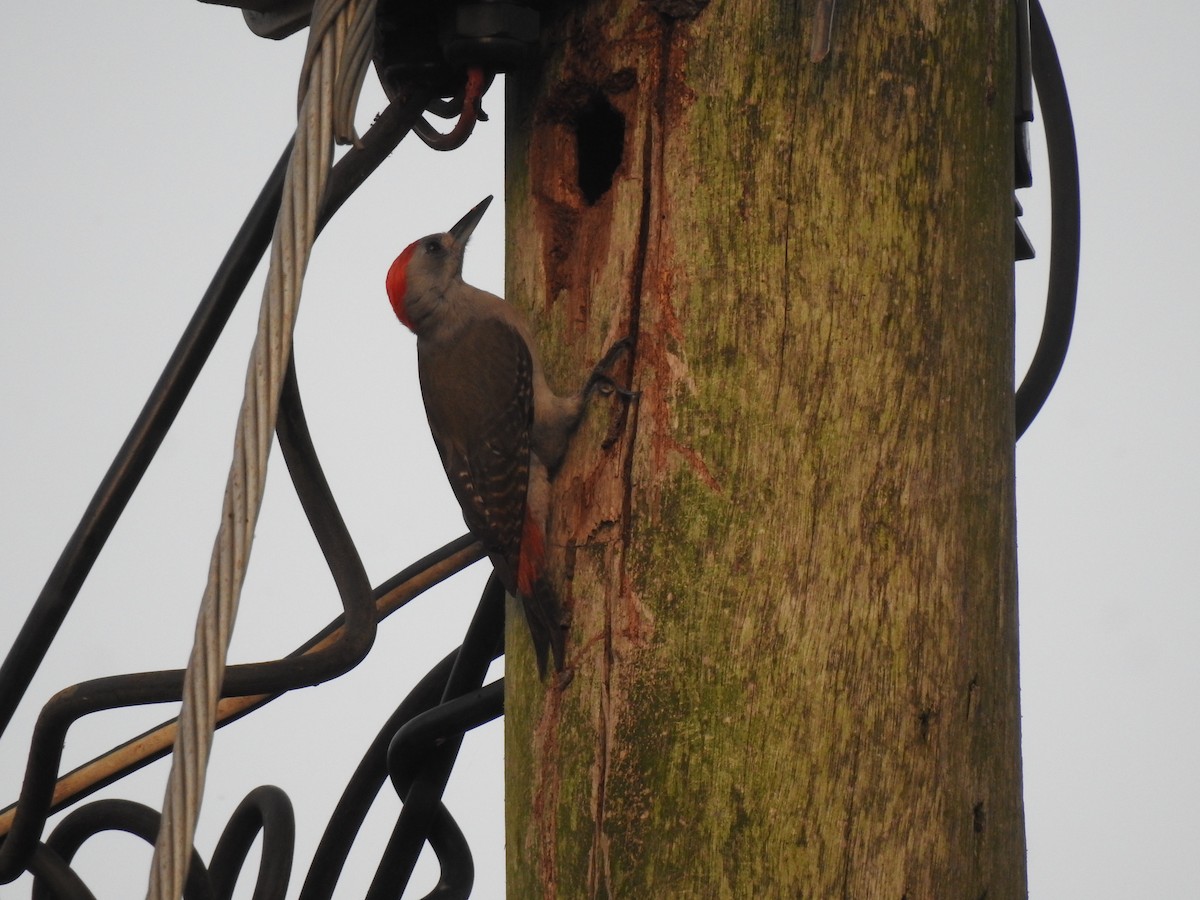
(137, 135)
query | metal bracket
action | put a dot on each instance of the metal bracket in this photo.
(1023, 115)
(274, 19)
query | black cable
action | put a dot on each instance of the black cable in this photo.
(51, 873)
(421, 783)
(1063, 282)
(425, 732)
(364, 784)
(116, 815)
(266, 810)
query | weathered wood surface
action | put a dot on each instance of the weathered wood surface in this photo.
(791, 563)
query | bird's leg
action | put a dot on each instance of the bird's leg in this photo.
(601, 381)
(550, 439)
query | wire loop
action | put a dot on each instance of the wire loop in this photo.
(470, 110)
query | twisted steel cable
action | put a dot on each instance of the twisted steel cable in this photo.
(295, 231)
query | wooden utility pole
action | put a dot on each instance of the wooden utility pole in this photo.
(791, 562)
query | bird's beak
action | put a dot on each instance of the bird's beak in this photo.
(461, 232)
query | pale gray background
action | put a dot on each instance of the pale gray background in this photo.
(136, 136)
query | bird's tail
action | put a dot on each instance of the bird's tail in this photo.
(544, 613)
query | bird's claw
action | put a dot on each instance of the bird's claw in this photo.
(602, 382)
(606, 387)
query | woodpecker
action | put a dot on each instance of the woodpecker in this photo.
(500, 430)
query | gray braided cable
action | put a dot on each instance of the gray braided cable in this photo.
(333, 63)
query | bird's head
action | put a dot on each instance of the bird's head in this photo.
(420, 277)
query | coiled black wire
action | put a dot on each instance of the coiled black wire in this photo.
(416, 749)
(1063, 282)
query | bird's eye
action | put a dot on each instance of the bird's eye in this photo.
(433, 248)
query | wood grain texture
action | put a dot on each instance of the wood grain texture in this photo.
(791, 564)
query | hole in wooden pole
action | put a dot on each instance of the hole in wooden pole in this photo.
(600, 145)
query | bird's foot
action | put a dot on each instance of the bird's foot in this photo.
(606, 387)
(600, 379)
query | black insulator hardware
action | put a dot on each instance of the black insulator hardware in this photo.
(407, 50)
(1023, 70)
(1022, 166)
(274, 19)
(1022, 115)
(496, 36)
(1022, 246)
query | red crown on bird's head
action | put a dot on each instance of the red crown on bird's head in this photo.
(397, 284)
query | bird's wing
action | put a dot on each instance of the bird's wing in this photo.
(482, 409)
